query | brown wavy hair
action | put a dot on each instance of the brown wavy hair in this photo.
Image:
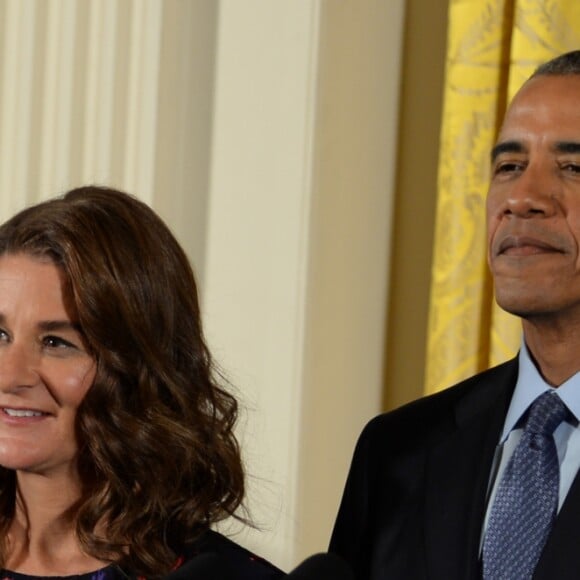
(158, 459)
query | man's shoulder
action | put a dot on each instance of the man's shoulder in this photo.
(436, 413)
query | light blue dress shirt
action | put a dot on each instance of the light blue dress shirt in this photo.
(530, 385)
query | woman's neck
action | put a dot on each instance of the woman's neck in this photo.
(42, 539)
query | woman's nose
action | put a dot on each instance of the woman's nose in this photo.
(17, 367)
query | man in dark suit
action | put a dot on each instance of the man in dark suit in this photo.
(437, 487)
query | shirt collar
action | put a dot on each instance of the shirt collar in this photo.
(530, 385)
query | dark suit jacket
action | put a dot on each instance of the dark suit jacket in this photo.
(415, 497)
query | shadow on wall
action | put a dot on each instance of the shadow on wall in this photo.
(415, 201)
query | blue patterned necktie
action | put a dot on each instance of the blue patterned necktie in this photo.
(526, 501)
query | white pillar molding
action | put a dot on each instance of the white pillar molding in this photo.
(298, 245)
(349, 250)
(257, 242)
(91, 89)
(54, 132)
(103, 48)
(142, 97)
(16, 66)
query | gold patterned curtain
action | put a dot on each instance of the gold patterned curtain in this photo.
(492, 47)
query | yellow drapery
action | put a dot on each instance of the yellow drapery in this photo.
(492, 47)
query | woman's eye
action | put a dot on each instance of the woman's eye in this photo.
(4, 337)
(56, 342)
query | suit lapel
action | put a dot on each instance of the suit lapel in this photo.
(561, 556)
(458, 469)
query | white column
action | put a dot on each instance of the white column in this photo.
(16, 67)
(349, 250)
(142, 97)
(298, 242)
(114, 92)
(257, 250)
(102, 54)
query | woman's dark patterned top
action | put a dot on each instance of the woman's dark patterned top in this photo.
(108, 573)
(235, 563)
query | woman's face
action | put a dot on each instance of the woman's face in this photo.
(45, 368)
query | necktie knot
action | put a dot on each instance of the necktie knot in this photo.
(546, 413)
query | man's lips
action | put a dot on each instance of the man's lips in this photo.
(526, 246)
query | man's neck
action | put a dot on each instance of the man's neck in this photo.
(554, 348)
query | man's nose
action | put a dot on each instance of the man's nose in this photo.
(533, 194)
(18, 367)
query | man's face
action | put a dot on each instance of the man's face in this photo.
(533, 204)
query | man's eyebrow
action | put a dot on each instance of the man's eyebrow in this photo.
(506, 147)
(567, 147)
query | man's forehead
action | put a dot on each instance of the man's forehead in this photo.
(545, 105)
(551, 92)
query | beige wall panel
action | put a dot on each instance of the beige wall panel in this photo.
(104, 45)
(142, 98)
(414, 214)
(184, 129)
(298, 245)
(257, 244)
(355, 167)
(16, 72)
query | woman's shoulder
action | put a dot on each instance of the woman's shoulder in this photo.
(215, 554)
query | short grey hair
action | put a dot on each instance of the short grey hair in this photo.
(565, 64)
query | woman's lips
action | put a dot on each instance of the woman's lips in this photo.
(22, 412)
(21, 415)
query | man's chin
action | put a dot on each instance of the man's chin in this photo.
(527, 309)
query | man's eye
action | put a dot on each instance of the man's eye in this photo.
(507, 167)
(571, 167)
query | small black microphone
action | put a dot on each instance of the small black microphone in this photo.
(322, 567)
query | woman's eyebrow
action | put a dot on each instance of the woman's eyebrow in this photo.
(52, 325)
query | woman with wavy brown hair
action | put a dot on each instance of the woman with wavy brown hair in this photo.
(117, 450)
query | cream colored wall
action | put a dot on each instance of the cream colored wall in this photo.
(298, 245)
(264, 131)
(356, 128)
(258, 244)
